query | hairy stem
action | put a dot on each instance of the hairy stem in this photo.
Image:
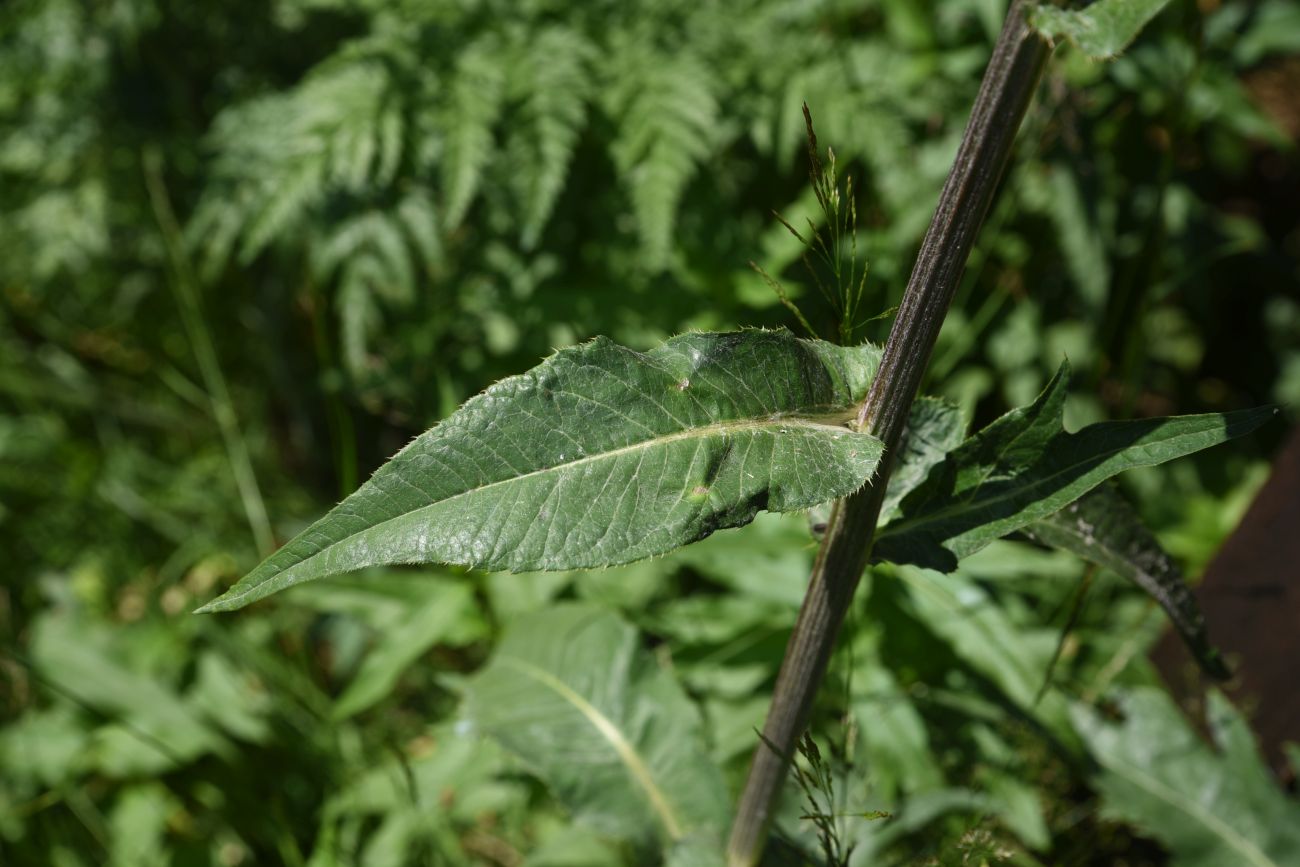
(1009, 83)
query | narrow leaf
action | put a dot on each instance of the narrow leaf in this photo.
(1025, 466)
(1102, 527)
(601, 456)
(476, 101)
(150, 728)
(572, 693)
(1103, 29)
(1207, 808)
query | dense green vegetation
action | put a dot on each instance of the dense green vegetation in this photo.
(248, 251)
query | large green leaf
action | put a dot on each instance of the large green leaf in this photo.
(1103, 29)
(572, 692)
(1102, 527)
(895, 739)
(1209, 809)
(600, 456)
(1025, 466)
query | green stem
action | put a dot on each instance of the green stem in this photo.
(337, 419)
(184, 286)
(1009, 83)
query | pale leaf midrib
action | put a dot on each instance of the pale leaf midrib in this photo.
(627, 754)
(1222, 829)
(702, 432)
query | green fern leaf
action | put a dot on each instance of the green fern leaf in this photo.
(667, 117)
(278, 208)
(280, 156)
(358, 314)
(419, 219)
(553, 83)
(476, 101)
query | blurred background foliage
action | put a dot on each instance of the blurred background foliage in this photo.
(247, 250)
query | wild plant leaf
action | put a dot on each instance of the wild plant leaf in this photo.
(477, 99)
(1019, 807)
(149, 727)
(984, 636)
(418, 800)
(895, 740)
(231, 698)
(1103, 29)
(934, 428)
(1207, 808)
(45, 748)
(552, 83)
(702, 851)
(405, 642)
(668, 121)
(1102, 527)
(601, 456)
(573, 694)
(138, 825)
(1025, 466)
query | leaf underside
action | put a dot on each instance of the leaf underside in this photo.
(1101, 30)
(1025, 466)
(1103, 528)
(602, 455)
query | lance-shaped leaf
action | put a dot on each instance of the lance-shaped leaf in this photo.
(575, 696)
(1103, 528)
(1025, 466)
(1103, 29)
(600, 456)
(1208, 808)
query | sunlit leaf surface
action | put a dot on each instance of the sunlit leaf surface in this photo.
(600, 456)
(1103, 29)
(572, 692)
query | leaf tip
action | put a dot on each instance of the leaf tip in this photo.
(225, 602)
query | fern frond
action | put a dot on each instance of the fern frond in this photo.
(358, 314)
(475, 104)
(551, 83)
(274, 209)
(667, 118)
(280, 156)
(419, 219)
(378, 238)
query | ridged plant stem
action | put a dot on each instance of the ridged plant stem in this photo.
(1009, 83)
